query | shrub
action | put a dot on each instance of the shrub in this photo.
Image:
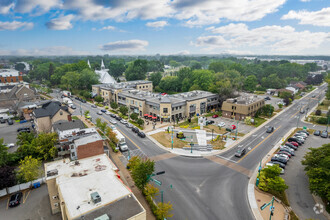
(106, 107)
(322, 121)
(318, 112)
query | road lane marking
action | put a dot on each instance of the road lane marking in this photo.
(295, 114)
(226, 158)
(230, 165)
(26, 196)
(160, 157)
(258, 145)
(7, 204)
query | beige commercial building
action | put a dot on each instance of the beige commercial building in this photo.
(90, 189)
(240, 108)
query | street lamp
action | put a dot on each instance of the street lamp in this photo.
(191, 144)
(259, 170)
(272, 208)
(172, 139)
(162, 193)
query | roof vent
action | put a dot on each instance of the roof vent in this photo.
(96, 198)
(52, 172)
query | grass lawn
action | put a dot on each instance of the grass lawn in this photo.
(75, 118)
(164, 138)
(218, 144)
(259, 92)
(135, 124)
(186, 124)
(258, 121)
(213, 113)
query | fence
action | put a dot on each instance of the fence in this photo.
(19, 187)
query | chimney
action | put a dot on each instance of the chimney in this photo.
(69, 118)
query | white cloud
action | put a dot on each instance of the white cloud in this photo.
(305, 0)
(5, 6)
(109, 28)
(263, 40)
(49, 51)
(14, 25)
(183, 52)
(316, 18)
(157, 24)
(60, 23)
(129, 45)
(40, 6)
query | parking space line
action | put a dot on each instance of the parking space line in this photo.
(24, 199)
(7, 204)
(258, 145)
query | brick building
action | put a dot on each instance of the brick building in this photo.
(10, 76)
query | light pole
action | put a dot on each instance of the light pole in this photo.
(172, 139)
(272, 208)
(162, 193)
(298, 119)
(259, 170)
(236, 130)
(212, 134)
(191, 144)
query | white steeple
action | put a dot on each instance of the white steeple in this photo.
(88, 63)
(102, 65)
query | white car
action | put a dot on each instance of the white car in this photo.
(107, 113)
(271, 164)
(113, 121)
(10, 145)
(99, 113)
(123, 121)
(222, 124)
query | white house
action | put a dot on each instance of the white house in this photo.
(293, 89)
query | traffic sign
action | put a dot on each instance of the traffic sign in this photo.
(159, 183)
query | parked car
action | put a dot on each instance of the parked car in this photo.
(2, 120)
(10, 145)
(129, 125)
(295, 140)
(289, 150)
(324, 134)
(141, 134)
(282, 155)
(93, 106)
(15, 199)
(313, 96)
(267, 98)
(123, 121)
(302, 134)
(301, 139)
(23, 130)
(73, 106)
(107, 113)
(303, 131)
(103, 110)
(279, 159)
(113, 121)
(99, 113)
(285, 152)
(135, 129)
(209, 122)
(215, 116)
(282, 165)
(112, 115)
(269, 164)
(222, 124)
(118, 118)
(317, 133)
(270, 129)
(10, 121)
(294, 143)
(291, 146)
(83, 100)
(240, 152)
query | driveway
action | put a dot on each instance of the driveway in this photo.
(273, 100)
(9, 133)
(36, 206)
(298, 192)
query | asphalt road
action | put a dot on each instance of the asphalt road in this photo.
(208, 188)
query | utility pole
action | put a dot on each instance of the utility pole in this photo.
(212, 134)
(236, 130)
(191, 144)
(172, 139)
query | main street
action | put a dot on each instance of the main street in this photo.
(214, 187)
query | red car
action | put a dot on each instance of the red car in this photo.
(215, 116)
(294, 143)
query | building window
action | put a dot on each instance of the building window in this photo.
(61, 113)
(172, 109)
(143, 86)
(146, 86)
(150, 106)
(232, 107)
(165, 110)
(73, 154)
(180, 107)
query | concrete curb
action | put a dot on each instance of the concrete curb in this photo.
(251, 196)
(310, 112)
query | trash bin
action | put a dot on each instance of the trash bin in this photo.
(36, 185)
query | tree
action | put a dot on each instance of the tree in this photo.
(45, 145)
(86, 113)
(270, 180)
(3, 153)
(134, 116)
(29, 169)
(136, 70)
(280, 105)
(163, 211)
(24, 137)
(247, 120)
(155, 78)
(316, 164)
(113, 105)
(318, 112)
(123, 110)
(117, 68)
(195, 65)
(267, 110)
(99, 99)
(217, 66)
(87, 79)
(51, 70)
(101, 125)
(285, 95)
(140, 122)
(151, 190)
(141, 172)
(250, 83)
(170, 84)
(20, 67)
(7, 176)
(174, 64)
(112, 135)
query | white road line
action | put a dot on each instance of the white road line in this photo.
(225, 158)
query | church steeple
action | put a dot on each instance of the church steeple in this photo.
(102, 65)
(88, 63)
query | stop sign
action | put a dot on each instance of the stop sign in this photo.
(233, 127)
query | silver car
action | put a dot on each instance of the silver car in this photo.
(129, 125)
(123, 121)
(113, 121)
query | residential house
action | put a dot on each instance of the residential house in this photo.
(14, 94)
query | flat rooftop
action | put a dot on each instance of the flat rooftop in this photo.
(75, 132)
(88, 139)
(76, 180)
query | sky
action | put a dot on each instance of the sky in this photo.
(181, 27)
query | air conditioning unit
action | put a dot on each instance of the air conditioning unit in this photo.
(96, 198)
(54, 197)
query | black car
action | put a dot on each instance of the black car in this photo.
(135, 129)
(282, 165)
(103, 110)
(141, 134)
(118, 118)
(209, 122)
(77, 98)
(23, 130)
(112, 115)
(270, 129)
(240, 152)
(324, 134)
(291, 146)
(15, 199)
(2, 120)
(295, 140)
(83, 100)
(279, 159)
(267, 98)
(10, 121)
(303, 131)
(317, 133)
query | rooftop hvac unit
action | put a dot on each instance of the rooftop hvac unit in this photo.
(52, 172)
(96, 198)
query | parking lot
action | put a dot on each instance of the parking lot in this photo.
(34, 205)
(273, 101)
(9, 133)
(295, 177)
